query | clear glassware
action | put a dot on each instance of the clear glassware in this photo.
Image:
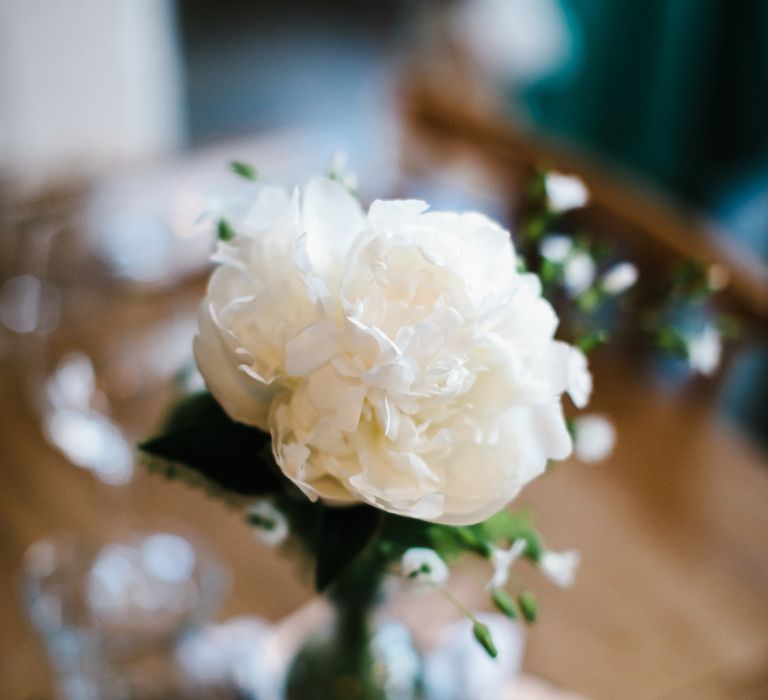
(113, 613)
(100, 302)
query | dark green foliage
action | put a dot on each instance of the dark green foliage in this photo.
(342, 533)
(235, 457)
(224, 230)
(592, 340)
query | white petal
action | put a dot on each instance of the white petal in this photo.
(620, 278)
(565, 192)
(556, 248)
(311, 348)
(578, 273)
(332, 218)
(704, 351)
(243, 398)
(502, 561)
(560, 567)
(579, 378)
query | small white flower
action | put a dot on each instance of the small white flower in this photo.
(620, 278)
(502, 561)
(556, 248)
(579, 386)
(595, 438)
(424, 566)
(268, 523)
(578, 273)
(565, 192)
(704, 350)
(560, 567)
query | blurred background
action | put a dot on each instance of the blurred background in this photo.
(117, 120)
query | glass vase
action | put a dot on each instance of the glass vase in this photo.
(354, 658)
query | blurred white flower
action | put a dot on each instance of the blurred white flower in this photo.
(424, 566)
(620, 278)
(579, 384)
(268, 523)
(556, 248)
(458, 668)
(515, 40)
(565, 192)
(502, 561)
(389, 352)
(578, 273)
(704, 350)
(594, 439)
(560, 567)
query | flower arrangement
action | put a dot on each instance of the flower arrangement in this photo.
(382, 383)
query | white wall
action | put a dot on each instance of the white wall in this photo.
(86, 83)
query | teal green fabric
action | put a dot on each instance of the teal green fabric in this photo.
(675, 89)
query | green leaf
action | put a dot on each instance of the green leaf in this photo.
(483, 636)
(590, 300)
(669, 340)
(244, 170)
(729, 326)
(549, 271)
(593, 340)
(503, 601)
(528, 606)
(225, 231)
(342, 533)
(445, 541)
(533, 229)
(202, 437)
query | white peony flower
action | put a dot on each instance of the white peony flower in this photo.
(396, 356)
(556, 248)
(502, 561)
(594, 439)
(268, 523)
(565, 192)
(704, 350)
(578, 273)
(620, 278)
(560, 567)
(424, 566)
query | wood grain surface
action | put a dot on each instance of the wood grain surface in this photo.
(671, 600)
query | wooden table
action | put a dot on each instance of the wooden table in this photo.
(671, 600)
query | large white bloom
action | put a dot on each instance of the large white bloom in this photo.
(396, 357)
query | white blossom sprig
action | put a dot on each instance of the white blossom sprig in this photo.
(268, 523)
